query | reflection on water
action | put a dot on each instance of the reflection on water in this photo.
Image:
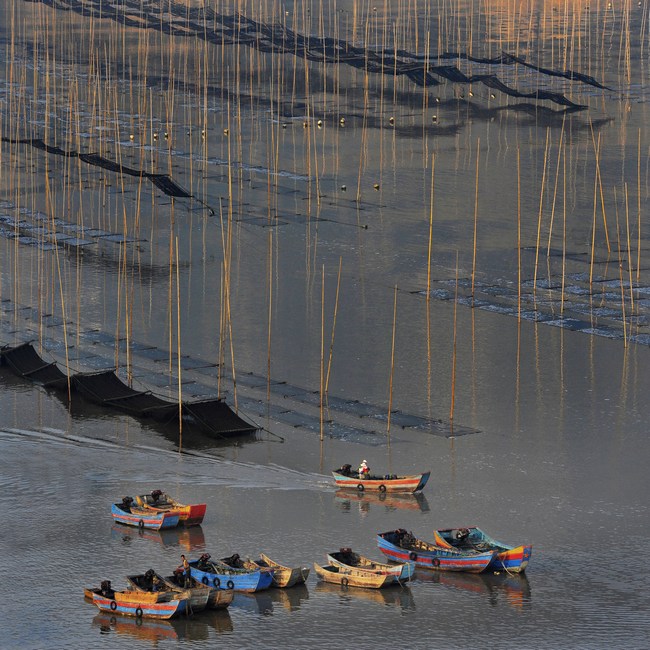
(259, 602)
(346, 499)
(395, 595)
(142, 629)
(499, 588)
(291, 599)
(189, 539)
(196, 628)
(219, 620)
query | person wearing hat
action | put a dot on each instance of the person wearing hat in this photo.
(364, 470)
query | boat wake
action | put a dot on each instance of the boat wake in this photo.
(190, 468)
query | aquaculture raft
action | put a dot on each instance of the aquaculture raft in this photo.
(213, 416)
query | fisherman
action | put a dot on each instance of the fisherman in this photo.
(185, 565)
(364, 470)
(106, 589)
(346, 469)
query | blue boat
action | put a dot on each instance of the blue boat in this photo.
(513, 559)
(216, 573)
(401, 546)
(125, 513)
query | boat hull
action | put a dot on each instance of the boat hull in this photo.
(140, 610)
(412, 483)
(247, 581)
(198, 595)
(513, 559)
(139, 519)
(402, 572)
(190, 515)
(284, 576)
(348, 577)
(437, 559)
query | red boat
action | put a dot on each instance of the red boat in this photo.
(158, 501)
(346, 478)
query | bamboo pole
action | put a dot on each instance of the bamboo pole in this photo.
(322, 349)
(453, 354)
(178, 352)
(392, 364)
(518, 237)
(336, 308)
(433, 160)
(539, 216)
(478, 156)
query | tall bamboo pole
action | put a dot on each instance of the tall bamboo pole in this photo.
(392, 363)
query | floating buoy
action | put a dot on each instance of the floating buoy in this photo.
(376, 186)
(131, 137)
(342, 121)
(226, 131)
(344, 188)
(434, 118)
(391, 120)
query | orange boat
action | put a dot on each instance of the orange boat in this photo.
(158, 501)
(346, 478)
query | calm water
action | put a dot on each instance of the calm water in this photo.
(559, 454)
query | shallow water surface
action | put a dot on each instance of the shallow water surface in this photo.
(493, 296)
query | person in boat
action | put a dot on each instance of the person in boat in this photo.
(345, 470)
(153, 582)
(106, 590)
(127, 502)
(185, 566)
(204, 562)
(462, 534)
(155, 496)
(364, 470)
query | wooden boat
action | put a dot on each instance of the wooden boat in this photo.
(346, 478)
(140, 604)
(216, 573)
(153, 582)
(513, 559)
(283, 576)
(346, 558)
(400, 546)
(126, 513)
(217, 598)
(353, 577)
(158, 501)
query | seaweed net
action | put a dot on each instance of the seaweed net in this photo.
(213, 416)
(163, 182)
(203, 22)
